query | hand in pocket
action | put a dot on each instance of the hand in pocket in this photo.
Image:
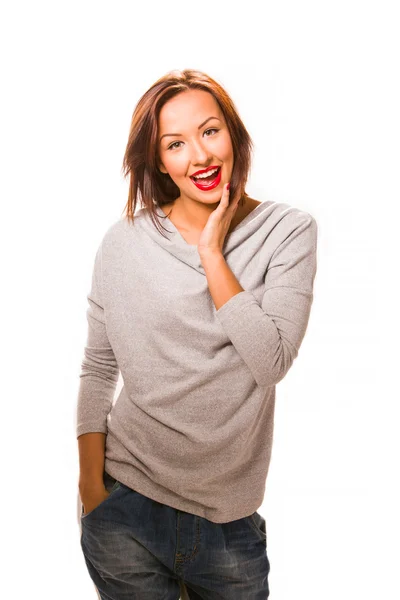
(94, 499)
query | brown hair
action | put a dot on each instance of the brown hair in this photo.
(140, 163)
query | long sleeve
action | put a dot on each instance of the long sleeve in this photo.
(268, 336)
(99, 369)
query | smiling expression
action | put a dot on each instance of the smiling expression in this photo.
(202, 141)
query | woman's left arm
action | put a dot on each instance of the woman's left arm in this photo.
(268, 335)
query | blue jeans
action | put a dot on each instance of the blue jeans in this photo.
(137, 548)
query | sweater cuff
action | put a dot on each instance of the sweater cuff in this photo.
(237, 303)
(90, 428)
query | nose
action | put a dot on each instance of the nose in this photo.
(200, 154)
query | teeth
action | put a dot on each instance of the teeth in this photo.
(207, 174)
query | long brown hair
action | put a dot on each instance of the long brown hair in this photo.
(140, 163)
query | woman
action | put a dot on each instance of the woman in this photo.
(202, 320)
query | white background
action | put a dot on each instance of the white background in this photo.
(317, 85)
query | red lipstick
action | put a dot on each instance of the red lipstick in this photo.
(204, 185)
(205, 170)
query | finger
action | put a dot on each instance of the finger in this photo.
(224, 201)
(225, 194)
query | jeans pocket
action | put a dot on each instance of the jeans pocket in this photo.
(111, 488)
(258, 523)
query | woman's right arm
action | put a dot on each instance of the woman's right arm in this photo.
(91, 462)
(98, 381)
(92, 490)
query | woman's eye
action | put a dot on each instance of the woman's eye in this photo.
(172, 146)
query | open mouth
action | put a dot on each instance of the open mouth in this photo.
(210, 181)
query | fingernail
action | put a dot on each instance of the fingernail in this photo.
(228, 186)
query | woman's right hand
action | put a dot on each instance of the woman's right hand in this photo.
(92, 498)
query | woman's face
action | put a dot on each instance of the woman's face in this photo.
(192, 148)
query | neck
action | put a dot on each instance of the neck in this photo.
(193, 216)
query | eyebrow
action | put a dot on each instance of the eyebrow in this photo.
(199, 127)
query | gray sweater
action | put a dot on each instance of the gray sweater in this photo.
(193, 424)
